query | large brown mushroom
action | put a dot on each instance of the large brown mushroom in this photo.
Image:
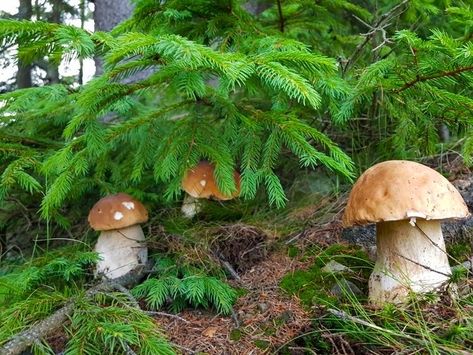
(199, 182)
(407, 201)
(121, 244)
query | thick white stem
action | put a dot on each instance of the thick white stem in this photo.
(407, 260)
(121, 250)
(190, 206)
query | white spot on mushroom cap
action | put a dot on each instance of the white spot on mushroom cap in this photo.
(203, 182)
(118, 215)
(129, 205)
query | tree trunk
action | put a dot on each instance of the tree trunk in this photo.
(108, 14)
(256, 7)
(53, 69)
(82, 23)
(23, 76)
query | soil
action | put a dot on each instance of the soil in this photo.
(241, 245)
(264, 318)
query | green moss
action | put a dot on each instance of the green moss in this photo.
(313, 285)
(261, 344)
(236, 335)
(458, 252)
(293, 251)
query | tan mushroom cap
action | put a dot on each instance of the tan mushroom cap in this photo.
(117, 211)
(397, 190)
(199, 182)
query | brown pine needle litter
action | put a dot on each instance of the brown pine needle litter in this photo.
(267, 317)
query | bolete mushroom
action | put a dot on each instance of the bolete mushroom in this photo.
(199, 182)
(407, 201)
(121, 244)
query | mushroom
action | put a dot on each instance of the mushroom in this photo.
(407, 201)
(199, 182)
(121, 243)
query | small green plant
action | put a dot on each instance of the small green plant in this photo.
(57, 270)
(106, 322)
(180, 287)
(110, 323)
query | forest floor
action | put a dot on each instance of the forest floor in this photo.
(265, 317)
(301, 281)
(290, 302)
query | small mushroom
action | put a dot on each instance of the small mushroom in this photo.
(121, 243)
(199, 182)
(407, 201)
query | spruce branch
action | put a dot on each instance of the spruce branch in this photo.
(47, 326)
(419, 78)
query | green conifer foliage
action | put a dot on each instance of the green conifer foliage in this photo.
(192, 80)
(107, 322)
(182, 286)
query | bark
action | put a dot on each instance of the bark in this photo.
(256, 7)
(52, 69)
(108, 14)
(23, 75)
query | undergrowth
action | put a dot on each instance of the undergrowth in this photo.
(181, 287)
(108, 321)
(344, 323)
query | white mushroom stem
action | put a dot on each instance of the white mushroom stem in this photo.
(120, 250)
(190, 206)
(409, 258)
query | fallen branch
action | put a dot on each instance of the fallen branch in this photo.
(164, 314)
(21, 341)
(127, 293)
(228, 266)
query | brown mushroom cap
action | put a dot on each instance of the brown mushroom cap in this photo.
(117, 211)
(199, 182)
(397, 190)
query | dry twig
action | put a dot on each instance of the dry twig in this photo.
(379, 26)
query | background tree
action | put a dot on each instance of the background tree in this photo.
(23, 75)
(105, 20)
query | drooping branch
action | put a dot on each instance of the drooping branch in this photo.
(419, 79)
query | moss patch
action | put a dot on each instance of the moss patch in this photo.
(313, 285)
(458, 252)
